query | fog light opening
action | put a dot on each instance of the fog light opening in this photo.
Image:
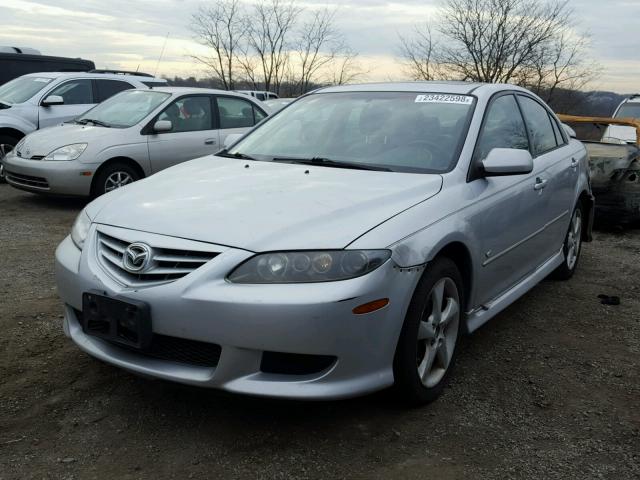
(371, 306)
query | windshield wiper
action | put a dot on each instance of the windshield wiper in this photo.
(84, 121)
(243, 156)
(327, 162)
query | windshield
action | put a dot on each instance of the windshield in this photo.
(397, 131)
(124, 109)
(22, 89)
(629, 110)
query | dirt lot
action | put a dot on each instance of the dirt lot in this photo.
(549, 389)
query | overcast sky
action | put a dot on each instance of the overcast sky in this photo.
(130, 33)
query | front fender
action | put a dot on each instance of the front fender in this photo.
(16, 123)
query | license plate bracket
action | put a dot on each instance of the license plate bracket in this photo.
(120, 320)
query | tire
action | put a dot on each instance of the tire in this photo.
(7, 143)
(425, 353)
(114, 175)
(572, 246)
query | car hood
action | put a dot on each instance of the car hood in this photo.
(44, 141)
(262, 206)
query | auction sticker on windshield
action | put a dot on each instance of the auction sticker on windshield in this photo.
(444, 98)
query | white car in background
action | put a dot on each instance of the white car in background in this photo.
(128, 137)
(628, 108)
(39, 100)
(260, 95)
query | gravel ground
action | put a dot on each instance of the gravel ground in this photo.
(548, 389)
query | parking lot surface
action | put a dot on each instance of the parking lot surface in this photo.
(548, 389)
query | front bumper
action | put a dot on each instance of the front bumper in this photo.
(248, 320)
(56, 178)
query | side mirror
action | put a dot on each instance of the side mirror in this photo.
(569, 131)
(53, 100)
(231, 139)
(507, 161)
(163, 126)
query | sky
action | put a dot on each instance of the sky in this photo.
(130, 34)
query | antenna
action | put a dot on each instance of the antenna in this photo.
(161, 54)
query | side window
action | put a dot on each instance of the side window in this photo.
(108, 88)
(539, 125)
(74, 92)
(189, 114)
(556, 130)
(258, 114)
(503, 128)
(235, 113)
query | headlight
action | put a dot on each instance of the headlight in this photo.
(20, 144)
(80, 229)
(68, 152)
(308, 266)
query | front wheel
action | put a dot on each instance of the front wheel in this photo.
(113, 176)
(571, 247)
(427, 346)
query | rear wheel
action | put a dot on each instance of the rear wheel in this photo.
(113, 176)
(572, 247)
(427, 346)
(7, 143)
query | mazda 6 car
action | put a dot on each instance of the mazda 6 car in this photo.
(341, 247)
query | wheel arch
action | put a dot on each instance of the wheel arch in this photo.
(12, 132)
(459, 254)
(126, 160)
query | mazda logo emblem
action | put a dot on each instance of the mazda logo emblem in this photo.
(136, 257)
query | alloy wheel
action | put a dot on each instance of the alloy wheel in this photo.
(574, 239)
(438, 332)
(117, 180)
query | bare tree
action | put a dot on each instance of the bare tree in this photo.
(271, 23)
(527, 42)
(317, 45)
(417, 52)
(347, 69)
(222, 29)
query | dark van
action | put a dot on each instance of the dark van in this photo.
(13, 65)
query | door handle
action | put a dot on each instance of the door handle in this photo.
(540, 184)
(209, 141)
(574, 163)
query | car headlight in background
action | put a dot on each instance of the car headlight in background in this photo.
(80, 229)
(20, 144)
(68, 152)
(308, 266)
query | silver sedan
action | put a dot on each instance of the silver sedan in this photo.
(341, 247)
(128, 137)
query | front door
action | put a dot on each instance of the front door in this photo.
(193, 134)
(78, 98)
(508, 213)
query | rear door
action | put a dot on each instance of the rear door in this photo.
(78, 97)
(236, 115)
(553, 159)
(194, 132)
(105, 88)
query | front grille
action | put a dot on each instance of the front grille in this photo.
(27, 180)
(166, 265)
(174, 349)
(181, 350)
(37, 157)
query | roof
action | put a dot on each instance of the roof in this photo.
(185, 90)
(436, 87)
(454, 87)
(94, 75)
